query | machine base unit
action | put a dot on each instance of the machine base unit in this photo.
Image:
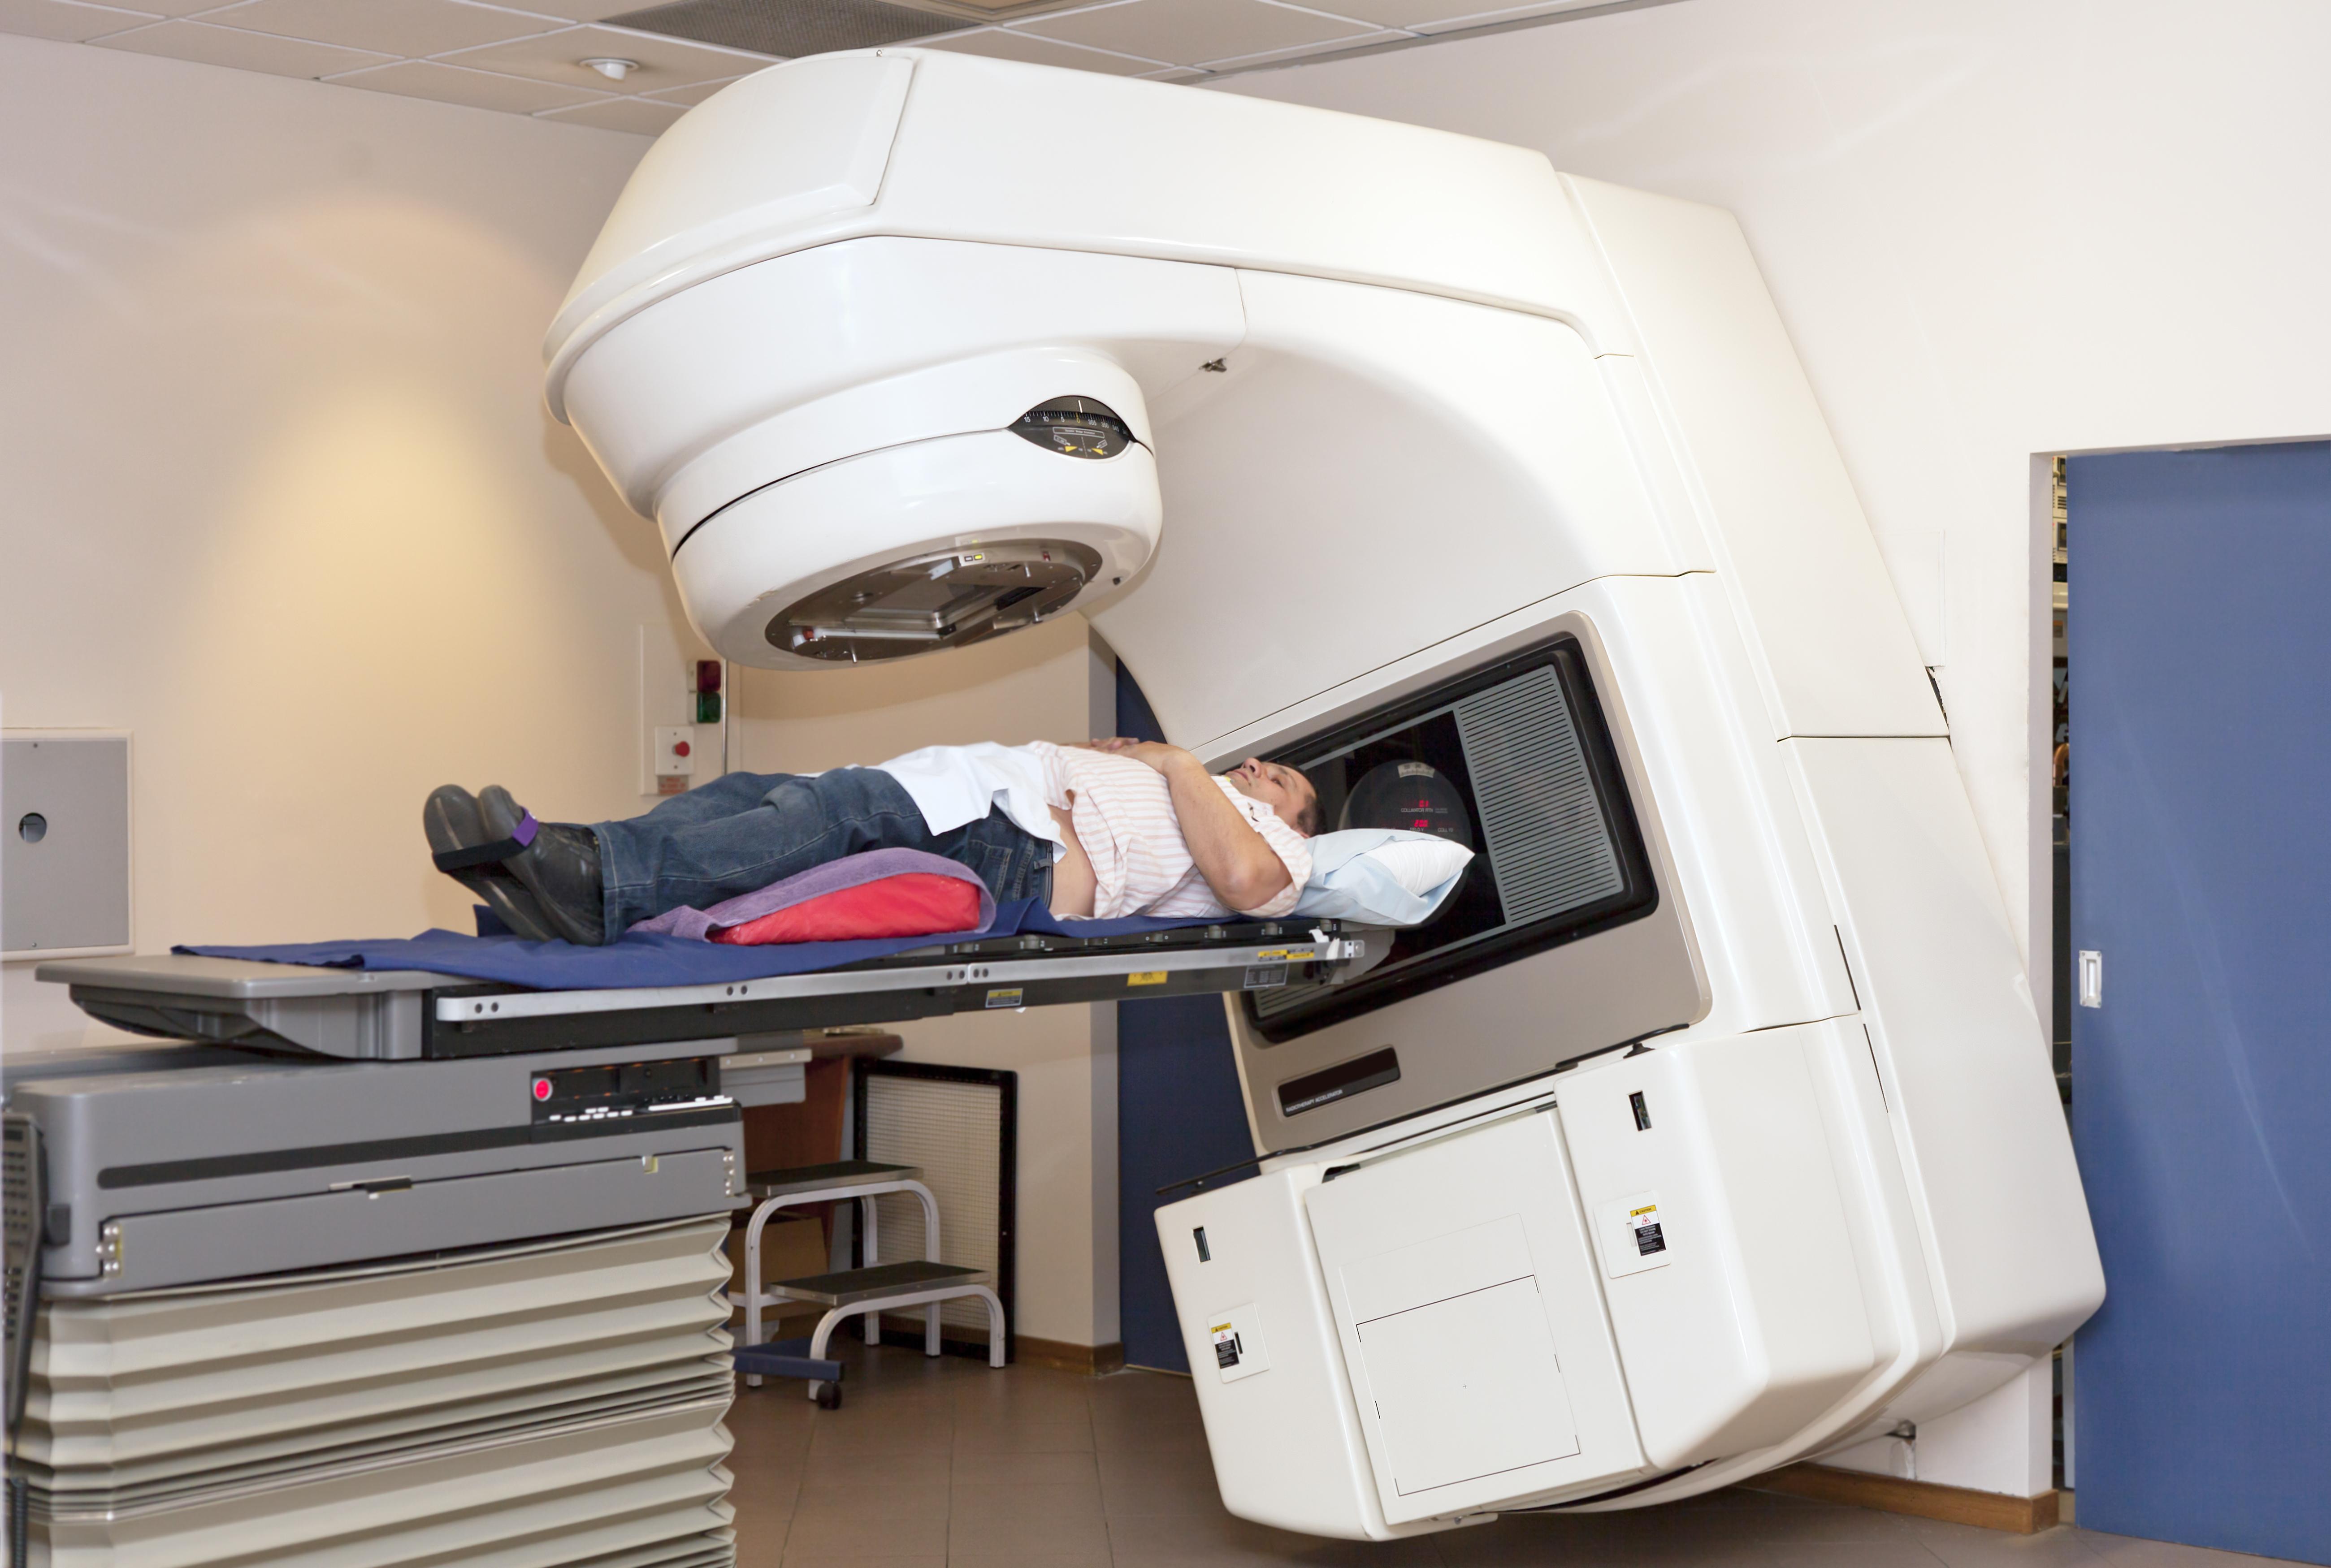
(538, 1404)
(1549, 1308)
(172, 1165)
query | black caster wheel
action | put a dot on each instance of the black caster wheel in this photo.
(829, 1396)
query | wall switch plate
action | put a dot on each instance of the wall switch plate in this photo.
(2092, 977)
(65, 858)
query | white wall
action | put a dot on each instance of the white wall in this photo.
(283, 497)
(284, 502)
(1053, 682)
(1995, 229)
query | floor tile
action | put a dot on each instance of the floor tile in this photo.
(1069, 1499)
(755, 1498)
(975, 1470)
(1032, 1522)
(821, 1529)
(1573, 1540)
(1143, 1391)
(1790, 1521)
(925, 1499)
(1899, 1554)
(1159, 1483)
(760, 1542)
(845, 1469)
(1162, 1540)
(1967, 1546)
(883, 1439)
(1011, 1437)
(1114, 1437)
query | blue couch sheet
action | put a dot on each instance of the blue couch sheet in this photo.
(640, 960)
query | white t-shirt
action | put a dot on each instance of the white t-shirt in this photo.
(1124, 815)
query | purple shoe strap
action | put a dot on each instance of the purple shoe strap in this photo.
(501, 850)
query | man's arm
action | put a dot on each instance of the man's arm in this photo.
(1244, 871)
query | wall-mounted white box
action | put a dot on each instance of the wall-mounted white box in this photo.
(64, 842)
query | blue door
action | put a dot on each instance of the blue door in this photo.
(1179, 1114)
(2200, 660)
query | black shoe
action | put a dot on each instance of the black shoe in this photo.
(456, 835)
(559, 865)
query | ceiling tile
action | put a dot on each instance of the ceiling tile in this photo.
(998, 43)
(1177, 73)
(1404, 13)
(581, 10)
(789, 28)
(176, 7)
(663, 62)
(65, 20)
(1193, 31)
(1479, 18)
(1271, 57)
(631, 114)
(409, 27)
(688, 96)
(242, 51)
(477, 88)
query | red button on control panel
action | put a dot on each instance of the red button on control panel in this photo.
(542, 1088)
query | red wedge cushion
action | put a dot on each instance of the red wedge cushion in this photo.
(911, 904)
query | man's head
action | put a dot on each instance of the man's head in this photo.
(1282, 789)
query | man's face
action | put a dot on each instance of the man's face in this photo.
(1276, 785)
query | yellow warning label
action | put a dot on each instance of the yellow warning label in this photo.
(1646, 1208)
(1283, 953)
(1146, 977)
(1004, 997)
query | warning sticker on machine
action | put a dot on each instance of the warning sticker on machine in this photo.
(1237, 1339)
(1005, 996)
(1645, 1223)
(1145, 977)
(1633, 1233)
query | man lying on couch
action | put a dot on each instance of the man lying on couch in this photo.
(1102, 829)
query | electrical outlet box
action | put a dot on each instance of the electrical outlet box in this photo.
(64, 843)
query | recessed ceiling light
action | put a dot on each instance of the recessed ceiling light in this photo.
(614, 70)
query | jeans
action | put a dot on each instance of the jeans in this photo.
(744, 830)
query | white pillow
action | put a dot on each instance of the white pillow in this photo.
(1422, 863)
(1380, 876)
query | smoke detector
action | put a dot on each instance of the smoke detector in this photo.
(613, 69)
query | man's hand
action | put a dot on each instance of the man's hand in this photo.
(1243, 869)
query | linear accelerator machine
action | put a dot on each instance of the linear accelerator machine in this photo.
(1710, 1126)
(1707, 1126)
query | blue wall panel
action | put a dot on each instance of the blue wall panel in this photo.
(1179, 1113)
(2201, 824)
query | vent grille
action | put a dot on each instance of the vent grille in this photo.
(545, 1402)
(955, 1131)
(1548, 841)
(788, 28)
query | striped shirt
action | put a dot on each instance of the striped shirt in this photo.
(1123, 810)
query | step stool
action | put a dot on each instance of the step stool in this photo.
(865, 1293)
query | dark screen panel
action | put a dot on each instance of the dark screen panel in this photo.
(1515, 761)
